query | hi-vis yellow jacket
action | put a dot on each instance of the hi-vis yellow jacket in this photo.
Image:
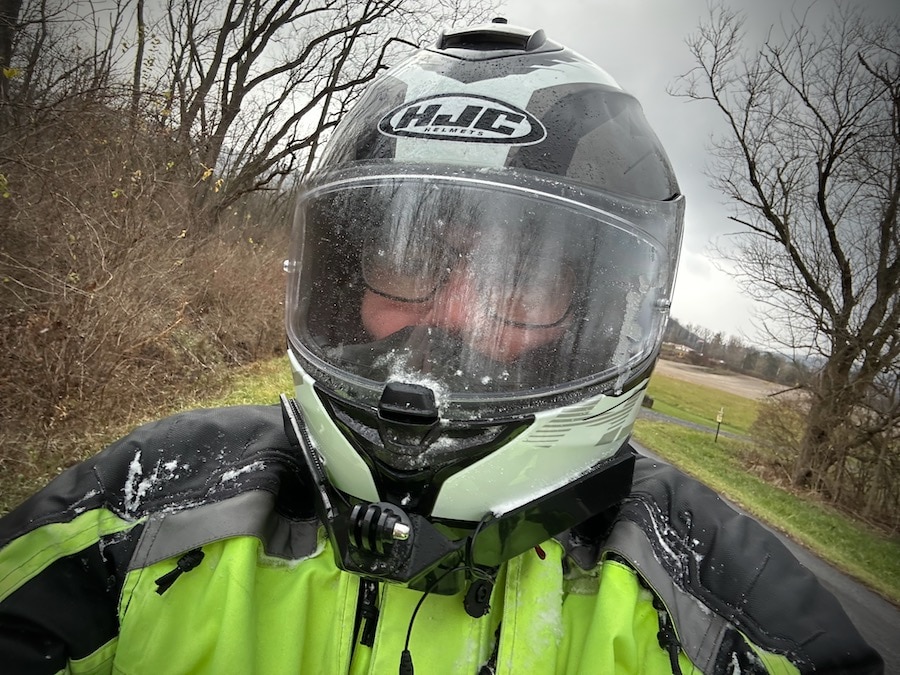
(191, 546)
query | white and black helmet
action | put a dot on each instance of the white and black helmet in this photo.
(481, 272)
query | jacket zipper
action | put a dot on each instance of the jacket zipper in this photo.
(366, 613)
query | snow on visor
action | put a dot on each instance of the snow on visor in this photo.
(488, 290)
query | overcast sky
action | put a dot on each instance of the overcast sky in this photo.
(641, 43)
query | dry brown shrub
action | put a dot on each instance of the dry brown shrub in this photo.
(778, 429)
(864, 484)
(115, 297)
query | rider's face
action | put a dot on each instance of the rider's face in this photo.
(502, 318)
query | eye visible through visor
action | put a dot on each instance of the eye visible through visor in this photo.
(537, 297)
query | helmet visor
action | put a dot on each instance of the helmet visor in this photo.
(484, 290)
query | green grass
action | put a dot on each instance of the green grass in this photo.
(700, 405)
(261, 382)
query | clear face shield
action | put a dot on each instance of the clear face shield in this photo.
(499, 297)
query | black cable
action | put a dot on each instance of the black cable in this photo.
(312, 459)
(667, 637)
(406, 664)
(425, 595)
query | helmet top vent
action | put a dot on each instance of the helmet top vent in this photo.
(493, 37)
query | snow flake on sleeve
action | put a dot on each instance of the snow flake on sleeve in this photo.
(232, 474)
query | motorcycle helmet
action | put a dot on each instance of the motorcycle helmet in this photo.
(480, 274)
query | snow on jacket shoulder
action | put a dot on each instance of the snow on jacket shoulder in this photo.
(191, 545)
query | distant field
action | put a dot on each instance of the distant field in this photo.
(733, 383)
(694, 397)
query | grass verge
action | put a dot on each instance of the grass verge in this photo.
(851, 546)
(700, 405)
(43, 457)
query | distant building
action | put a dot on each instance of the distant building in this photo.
(676, 351)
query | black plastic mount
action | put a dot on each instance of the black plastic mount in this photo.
(493, 39)
(381, 540)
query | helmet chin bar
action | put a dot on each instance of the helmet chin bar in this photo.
(380, 540)
(393, 437)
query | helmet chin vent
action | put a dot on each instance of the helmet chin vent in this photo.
(410, 404)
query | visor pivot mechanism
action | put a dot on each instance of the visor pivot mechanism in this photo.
(375, 527)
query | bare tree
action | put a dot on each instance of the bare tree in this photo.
(9, 15)
(250, 87)
(140, 43)
(811, 161)
(120, 119)
(247, 87)
(60, 50)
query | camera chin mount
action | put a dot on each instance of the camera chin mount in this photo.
(375, 527)
(381, 541)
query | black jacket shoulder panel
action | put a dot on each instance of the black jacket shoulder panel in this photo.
(179, 482)
(172, 464)
(193, 458)
(70, 494)
(742, 571)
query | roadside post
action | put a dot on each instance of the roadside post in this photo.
(719, 423)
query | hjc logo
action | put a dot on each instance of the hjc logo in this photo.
(463, 117)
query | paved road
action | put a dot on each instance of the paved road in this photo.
(876, 619)
(654, 416)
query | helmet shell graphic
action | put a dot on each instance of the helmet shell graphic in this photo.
(451, 117)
